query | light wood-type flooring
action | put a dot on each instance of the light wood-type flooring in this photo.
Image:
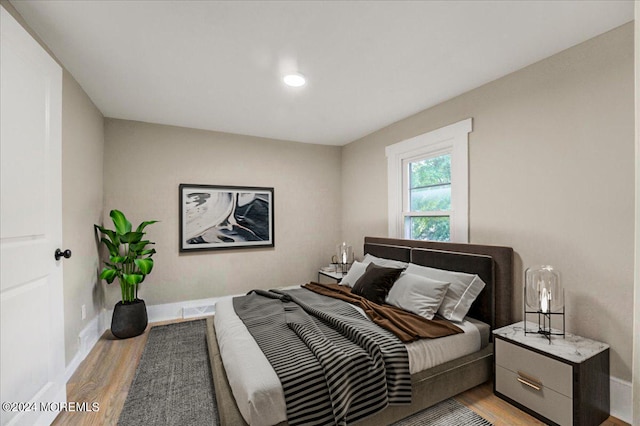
(106, 375)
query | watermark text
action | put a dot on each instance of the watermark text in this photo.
(70, 406)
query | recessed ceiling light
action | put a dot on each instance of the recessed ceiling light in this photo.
(294, 80)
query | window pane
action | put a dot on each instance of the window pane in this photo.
(432, 228)
(431, 171)
(430, 184)
(430, 199)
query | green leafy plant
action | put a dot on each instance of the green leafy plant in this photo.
(129, 256)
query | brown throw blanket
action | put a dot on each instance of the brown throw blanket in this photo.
(407, 326)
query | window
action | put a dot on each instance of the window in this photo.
(428, 185)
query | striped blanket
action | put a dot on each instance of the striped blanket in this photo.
(335, 366)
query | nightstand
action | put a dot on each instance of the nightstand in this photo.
(565, 382)
(334, 277)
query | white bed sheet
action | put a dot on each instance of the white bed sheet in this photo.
(257, 389)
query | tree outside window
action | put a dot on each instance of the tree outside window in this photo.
(428, 199)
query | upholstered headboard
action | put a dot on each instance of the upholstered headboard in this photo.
(494, 264)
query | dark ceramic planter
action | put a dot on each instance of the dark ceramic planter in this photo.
(129, 319)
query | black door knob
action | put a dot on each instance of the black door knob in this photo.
(59, 253)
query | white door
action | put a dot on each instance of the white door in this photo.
(31, 304)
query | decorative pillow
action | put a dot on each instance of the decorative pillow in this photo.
(375, 283)
(420, 295)
(462, 291)
(387, 263)
(356, 270)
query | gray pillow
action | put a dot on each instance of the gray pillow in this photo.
(417, 294)
(462, 291)
(388, 263)
(356, 270)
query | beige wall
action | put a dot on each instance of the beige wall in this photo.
(636, 333)
(145, 163)
(82, 200)
(551, 174)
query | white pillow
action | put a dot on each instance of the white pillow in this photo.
(462, 291)
(420, 295)
(356, 270)
(387, 263)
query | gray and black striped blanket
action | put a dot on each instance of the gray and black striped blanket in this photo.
(335, 366)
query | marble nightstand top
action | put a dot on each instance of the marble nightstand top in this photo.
(572, 348)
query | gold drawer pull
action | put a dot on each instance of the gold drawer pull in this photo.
(531, 385)
(529, 381)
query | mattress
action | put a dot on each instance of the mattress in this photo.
(257, 389)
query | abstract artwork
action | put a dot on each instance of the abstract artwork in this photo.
(214, 217)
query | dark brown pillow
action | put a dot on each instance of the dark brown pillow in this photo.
(376, 282)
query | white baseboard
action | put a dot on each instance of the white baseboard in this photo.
(87, 339)
(173, 311)
(186, 309)
(620, 390)
(621, 406)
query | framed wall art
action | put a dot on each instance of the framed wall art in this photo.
(215, 217)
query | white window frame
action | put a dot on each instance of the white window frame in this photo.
(453, 139)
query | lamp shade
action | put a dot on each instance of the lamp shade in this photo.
(344, 253)
(543, 290)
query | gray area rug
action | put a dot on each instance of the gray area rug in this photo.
(447, 413)
(173, 383)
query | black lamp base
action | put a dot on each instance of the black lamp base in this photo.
(544, 324)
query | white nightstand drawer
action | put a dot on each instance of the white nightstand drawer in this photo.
(535, 368)
(546, 401)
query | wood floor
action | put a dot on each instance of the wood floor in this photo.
(106, 375)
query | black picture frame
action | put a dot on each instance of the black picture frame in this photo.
(219, 217)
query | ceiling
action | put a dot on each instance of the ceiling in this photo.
(218, 65)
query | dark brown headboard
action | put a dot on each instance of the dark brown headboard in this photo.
(494, 264)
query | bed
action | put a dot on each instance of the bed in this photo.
(493, 264)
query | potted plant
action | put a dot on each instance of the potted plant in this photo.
(130, 262)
